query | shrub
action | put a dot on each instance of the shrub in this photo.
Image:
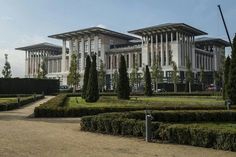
(197, 135)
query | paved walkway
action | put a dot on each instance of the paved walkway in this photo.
(22, 136)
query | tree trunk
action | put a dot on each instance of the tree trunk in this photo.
(156, 86)
(175, 87)
(189, 87)
(74, 88)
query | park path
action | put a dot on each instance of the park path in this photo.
(23, 136)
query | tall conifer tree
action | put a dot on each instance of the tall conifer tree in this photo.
(86, 76)
(226, 77)
(232, 74)
(123, 89)
(148, 83)
(92, 87)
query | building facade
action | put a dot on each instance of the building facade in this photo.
(161, 44)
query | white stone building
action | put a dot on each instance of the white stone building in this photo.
(162, 43)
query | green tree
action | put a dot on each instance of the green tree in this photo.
(232, 74)
(123, 89)
(148, 83)
(189, 76)
(101, 77)
(43, 70)
(174, 76)
(74, 77)
(86, 76)
(157, 74)
(92, 94)
(226, 77)
(115, 78)
(6, 72)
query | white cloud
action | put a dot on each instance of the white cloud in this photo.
(101, 26)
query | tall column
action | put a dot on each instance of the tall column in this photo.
(70, 52)
(156, 55)
(26, 64)
(82, 53)
(171, 36)
(89, 46)
(29, 64)
(130, 60)
(162, 55)
(167, 53)
(63, 60)
(152, 53)
(96, 49)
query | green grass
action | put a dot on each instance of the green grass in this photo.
(221, 126)
(12, 99)
(6, 100)
(106, 101)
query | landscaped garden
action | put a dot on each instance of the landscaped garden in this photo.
(9, 102)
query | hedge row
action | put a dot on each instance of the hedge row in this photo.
(15, 105)
(187, 116)
(190, 134)
(110, 124)
(196, 135)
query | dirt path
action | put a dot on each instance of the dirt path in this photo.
(28, 137)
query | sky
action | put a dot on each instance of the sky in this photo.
(26, 22)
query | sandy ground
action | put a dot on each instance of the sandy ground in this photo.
(21, 136)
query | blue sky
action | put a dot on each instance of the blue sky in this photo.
(24, 22)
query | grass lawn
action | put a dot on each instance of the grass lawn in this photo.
(213, 126)
(12, 99)
(106, 101)
(6, 100)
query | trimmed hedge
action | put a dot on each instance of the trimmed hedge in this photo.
(187, 116)
(197, 135)
(28, 86)
(190, 134)
(15, 105)
(110, 124)
(55, 108)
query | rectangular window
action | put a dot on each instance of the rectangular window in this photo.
(59, 65)
(133, 60)
(115, 62)
(99, 44)
(127, 61)
(92, 45)
(80, 45)
(140, 60)
(86, 46)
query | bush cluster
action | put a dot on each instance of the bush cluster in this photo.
(187, 116)
(15, 105)
(110, 124)
(197, 135)
(191, 134)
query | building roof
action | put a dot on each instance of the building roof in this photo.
(168, 27)
(92, 30)
(41, 46)
(212, 40)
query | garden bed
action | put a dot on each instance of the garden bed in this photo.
(10, 103)
(66, 105)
